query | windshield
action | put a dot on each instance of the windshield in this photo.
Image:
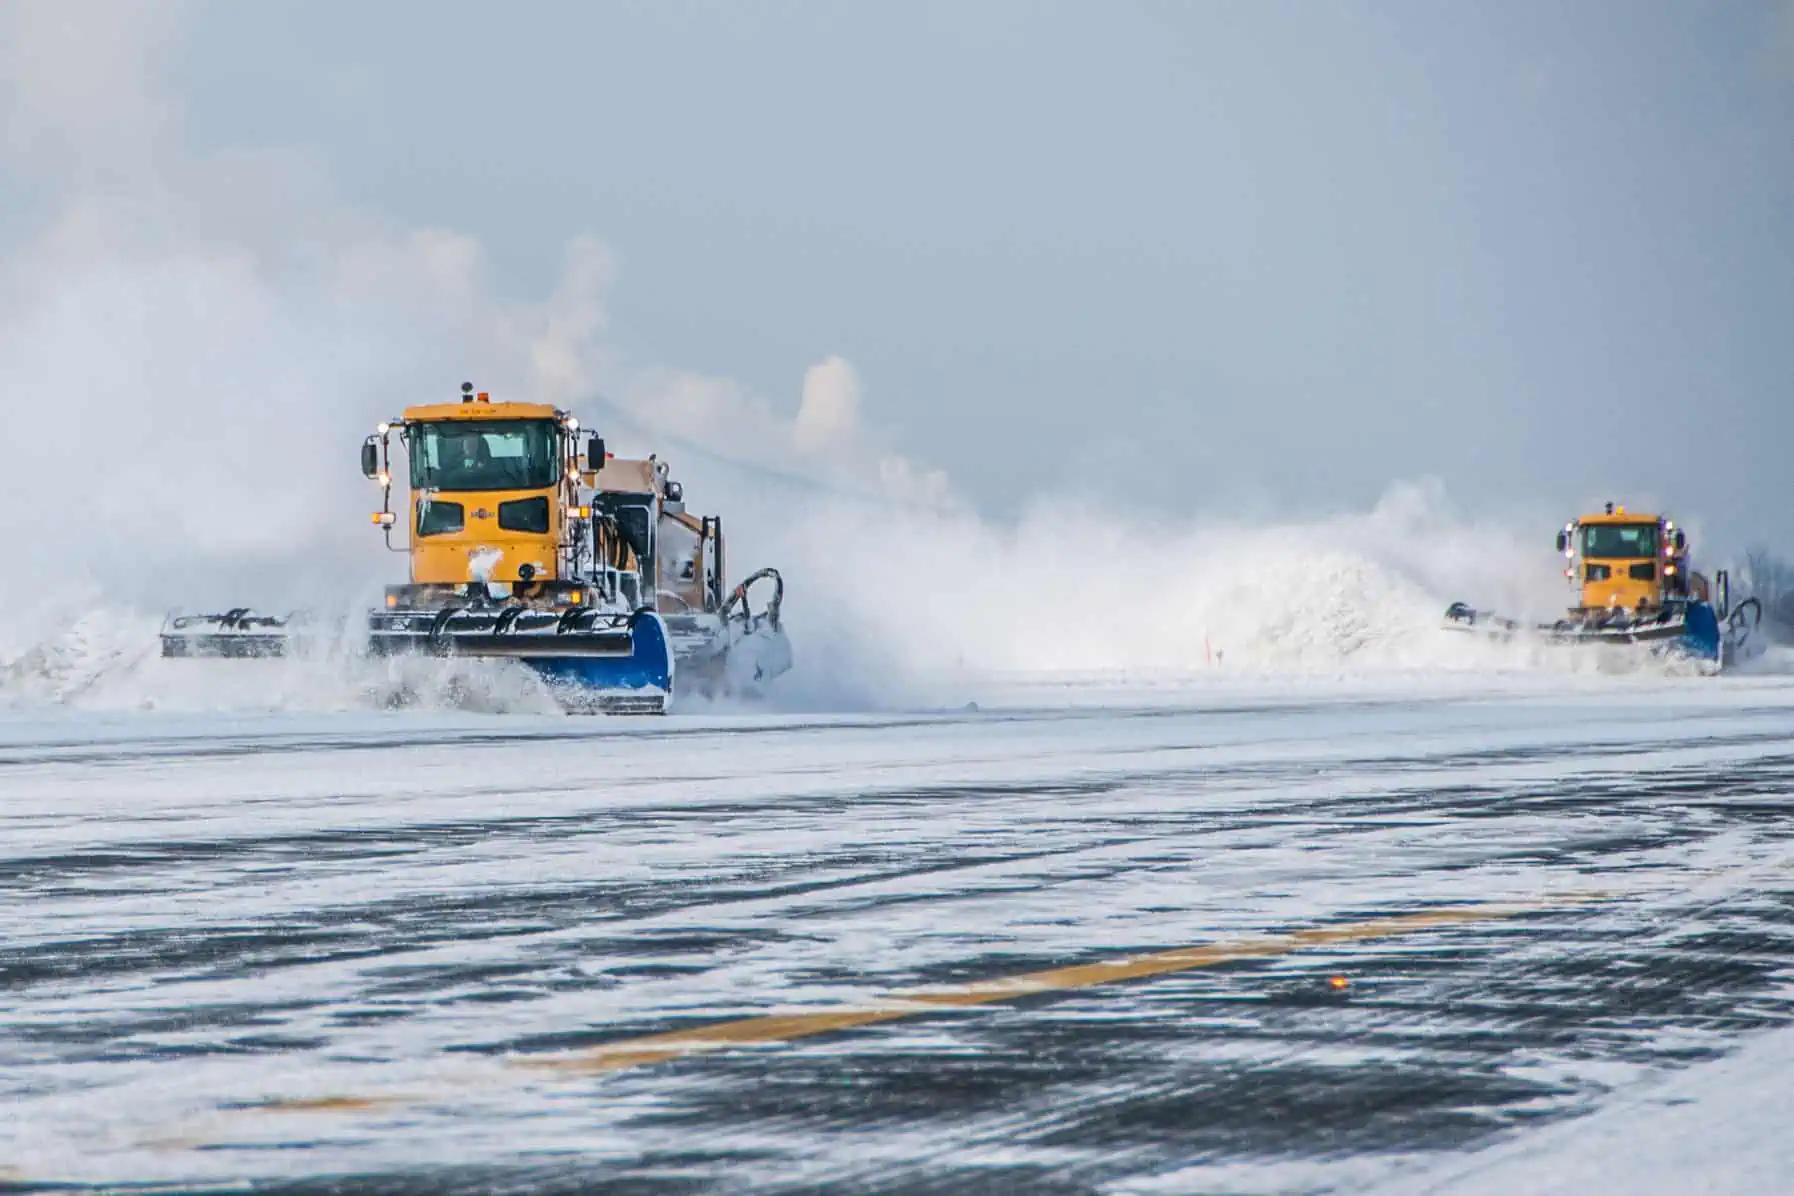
(1619, 540)
(512, 454)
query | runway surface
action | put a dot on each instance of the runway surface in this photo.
(1274, 938)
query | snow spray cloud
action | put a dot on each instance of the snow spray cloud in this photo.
(912, 603)
(195, 343)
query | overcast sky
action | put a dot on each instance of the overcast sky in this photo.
(1239, 256)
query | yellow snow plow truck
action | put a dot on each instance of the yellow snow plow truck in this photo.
(1636, 587)
(595, 577)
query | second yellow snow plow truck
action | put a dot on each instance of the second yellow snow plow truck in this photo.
(596, 578)
(1635, 587)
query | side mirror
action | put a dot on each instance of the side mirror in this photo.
(595, 453)
(1563, 541)
(1680, 541)
(370, 457)
(675, 492)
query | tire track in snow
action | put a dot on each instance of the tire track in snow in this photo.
(900, 856)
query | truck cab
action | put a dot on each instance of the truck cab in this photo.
(493, 502)
(1621, 560)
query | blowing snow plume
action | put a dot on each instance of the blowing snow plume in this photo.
(206, 337)
(901, 598)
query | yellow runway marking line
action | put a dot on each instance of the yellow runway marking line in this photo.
(771, 1029)
(787, 1027)
(327, 1104)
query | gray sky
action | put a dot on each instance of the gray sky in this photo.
(1246, 256)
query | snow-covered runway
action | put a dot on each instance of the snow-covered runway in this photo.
(284, 947)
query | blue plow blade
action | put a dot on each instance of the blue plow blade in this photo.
(640, 682)
(1700, 632)
(1685, 630)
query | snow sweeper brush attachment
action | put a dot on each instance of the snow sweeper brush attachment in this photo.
(733, 651)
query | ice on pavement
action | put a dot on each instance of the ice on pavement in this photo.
(209, 910)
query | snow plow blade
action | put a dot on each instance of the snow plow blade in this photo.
(1689, 630)
(591, 660)
(236, 632)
